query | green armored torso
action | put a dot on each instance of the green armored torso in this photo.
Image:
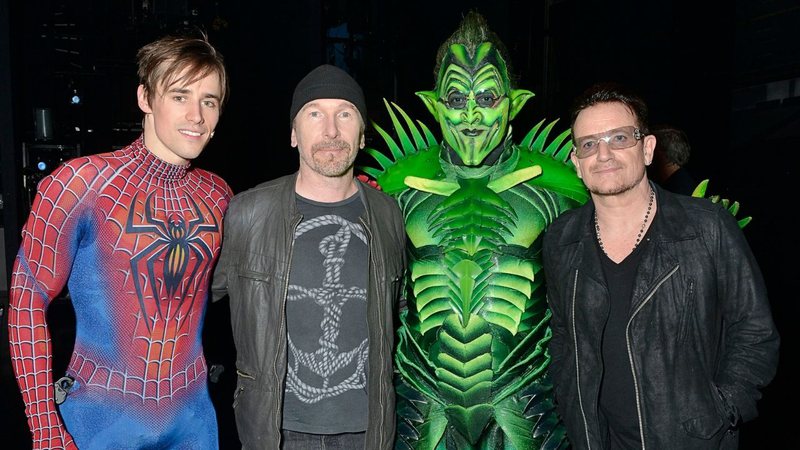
(473, 256)
(471, 359)
(473, 337)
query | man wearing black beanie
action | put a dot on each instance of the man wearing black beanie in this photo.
(327, 81)
(312, 263)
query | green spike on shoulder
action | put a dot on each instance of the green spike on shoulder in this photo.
(395, 150)
(560, 147)
(430, 139)
(528, 139)
(382, 159)
(408, 147)
(743, 222)
(419, 142)
(538, 143)
(732, 207)
(371, 171)
(700, 190)
(417, 154)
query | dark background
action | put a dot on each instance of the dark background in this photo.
(727, 72)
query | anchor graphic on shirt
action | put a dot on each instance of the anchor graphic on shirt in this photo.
(327, 360)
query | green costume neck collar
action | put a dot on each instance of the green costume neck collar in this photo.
(507, 161)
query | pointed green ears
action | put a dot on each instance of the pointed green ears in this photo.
(518, 99)
(429, 98)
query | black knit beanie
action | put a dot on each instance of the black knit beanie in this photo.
(327, 81)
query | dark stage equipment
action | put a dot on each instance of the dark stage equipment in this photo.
(39, 160)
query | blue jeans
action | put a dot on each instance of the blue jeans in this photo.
(293, 440)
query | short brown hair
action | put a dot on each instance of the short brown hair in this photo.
(162, 61)
(611, 92)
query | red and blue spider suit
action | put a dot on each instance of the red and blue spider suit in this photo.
(134, 239)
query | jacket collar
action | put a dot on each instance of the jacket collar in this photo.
(287, 193)
(362, 192)
(673, 223)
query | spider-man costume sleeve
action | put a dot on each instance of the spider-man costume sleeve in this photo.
(134, 238)
(39, 276)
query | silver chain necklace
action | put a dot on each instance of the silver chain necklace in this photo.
(641, 230)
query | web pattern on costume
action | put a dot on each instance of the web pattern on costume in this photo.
(136, 238)
(328, 359)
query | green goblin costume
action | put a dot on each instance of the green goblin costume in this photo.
(472, 357)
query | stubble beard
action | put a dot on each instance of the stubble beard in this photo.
(332, 164)
(616, 189)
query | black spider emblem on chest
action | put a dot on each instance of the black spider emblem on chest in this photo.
(178, 244)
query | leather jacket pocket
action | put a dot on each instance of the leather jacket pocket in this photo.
(244, 382)
(254, 275)
(710, 421)
(253, 410)
(704, 427)
(251, 286)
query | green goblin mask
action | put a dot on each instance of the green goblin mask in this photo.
(473, 101)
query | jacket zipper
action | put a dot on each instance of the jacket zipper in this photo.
(282, 331)
(372, 270)
(630, 353)
(577, 361)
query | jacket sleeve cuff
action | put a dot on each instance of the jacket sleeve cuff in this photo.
(731, 412)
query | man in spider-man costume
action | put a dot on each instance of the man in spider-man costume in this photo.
(134, 235)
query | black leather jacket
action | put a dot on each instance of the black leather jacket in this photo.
(701, 340)
(253, 269)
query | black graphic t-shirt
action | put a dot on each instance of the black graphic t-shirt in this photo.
(326, 316)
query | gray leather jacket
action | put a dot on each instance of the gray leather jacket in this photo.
(701, 340)
(253, 270)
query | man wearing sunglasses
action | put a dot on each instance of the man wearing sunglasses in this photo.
(662, 331)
